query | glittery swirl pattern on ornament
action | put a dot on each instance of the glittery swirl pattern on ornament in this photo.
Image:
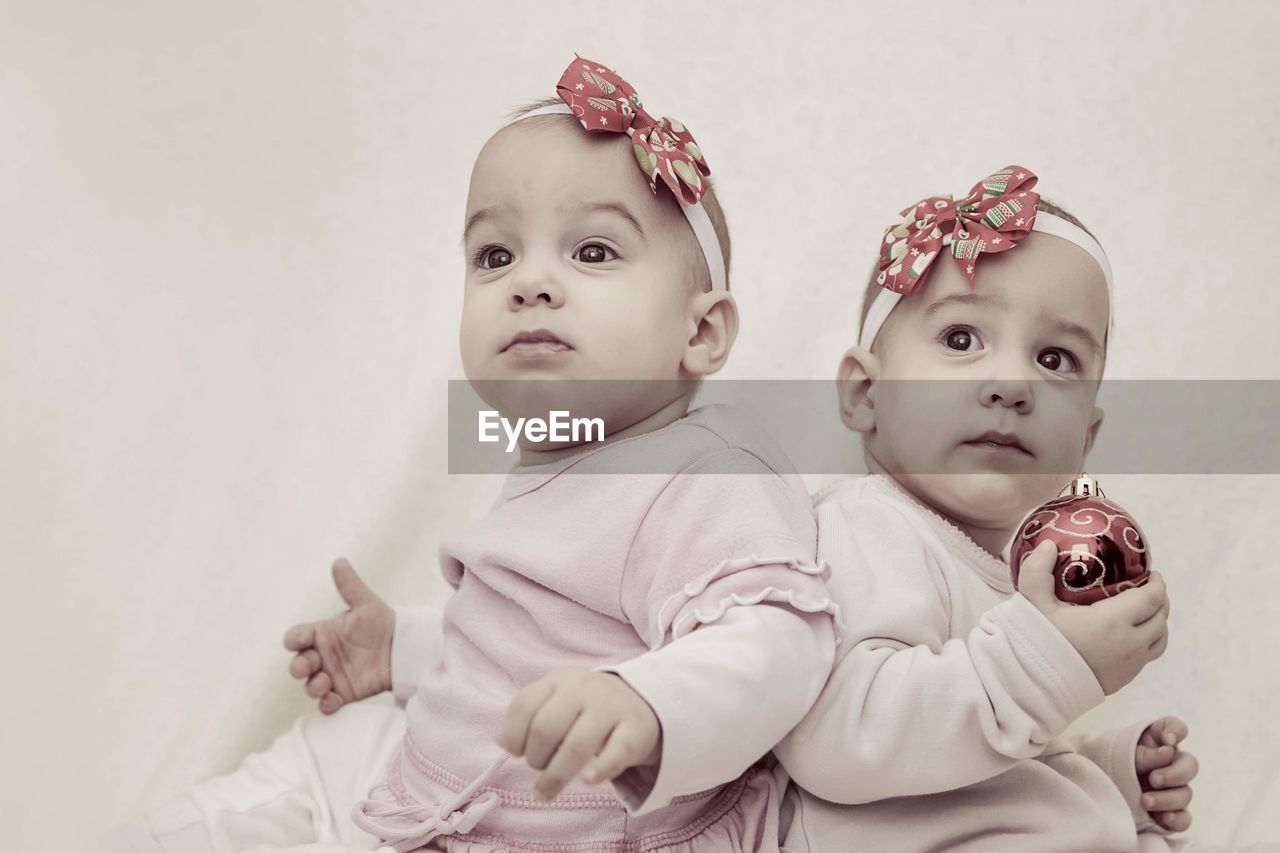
(1101, 549)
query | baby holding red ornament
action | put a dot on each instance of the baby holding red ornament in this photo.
(941, 725)
(973, 387)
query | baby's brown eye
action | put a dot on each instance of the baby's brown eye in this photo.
(494, 257)
(594, 253)
(960, 340)
(1055, 360)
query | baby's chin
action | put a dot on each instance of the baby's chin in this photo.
(988, 500)
(617, 401)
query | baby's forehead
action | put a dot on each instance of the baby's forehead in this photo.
(551, 163)
(1044, 275)
(558, 145)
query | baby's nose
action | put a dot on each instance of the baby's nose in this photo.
(1013, 394)
(534, 287)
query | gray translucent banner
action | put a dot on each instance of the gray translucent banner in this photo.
(1150, 426)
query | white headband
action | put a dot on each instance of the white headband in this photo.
(1046, 223)
(699, 221)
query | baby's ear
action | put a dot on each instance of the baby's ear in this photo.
(1091, 434)
(714, 317)
(858, 370)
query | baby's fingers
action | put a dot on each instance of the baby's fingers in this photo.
(304, 664)
(1171, 730)
(550, 727)
(1166, 730)
(621, 751)
(1155, 600)
(1179, 821)
(300, 637)
(319, 685)
(1152, 632)
(1148, 758)
(1180, 772)
(515, 731)
(579, 746)
(1172, 800)
(1157, 648)
(1137, 606)
(330, 702)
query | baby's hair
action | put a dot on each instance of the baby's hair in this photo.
(710, 202)
(1052, 207)
(873, 288)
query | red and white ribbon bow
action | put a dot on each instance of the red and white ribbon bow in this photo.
(998, 212)
(663, 147)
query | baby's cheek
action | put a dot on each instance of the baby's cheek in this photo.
(1065, 457)
(471, 349)
(1062, 417)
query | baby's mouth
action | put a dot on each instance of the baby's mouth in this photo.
(538, 342)
(999, 442)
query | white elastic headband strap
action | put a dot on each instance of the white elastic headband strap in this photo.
(699, 221)
(1046, 223)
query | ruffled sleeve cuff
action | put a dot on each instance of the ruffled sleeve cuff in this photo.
(745, 581)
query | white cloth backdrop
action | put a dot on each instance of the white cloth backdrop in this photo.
(230, 279)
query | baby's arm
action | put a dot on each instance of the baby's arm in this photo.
(655, 726)
(908, 709)
(722, 586)
(717, 716)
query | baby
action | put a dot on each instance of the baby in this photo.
(646, 611)
(973, 386)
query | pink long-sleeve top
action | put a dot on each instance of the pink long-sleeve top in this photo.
(696, 582)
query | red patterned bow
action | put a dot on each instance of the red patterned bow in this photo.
(997, 213)
(664, 148)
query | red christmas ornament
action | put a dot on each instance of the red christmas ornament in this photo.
(1101, 549)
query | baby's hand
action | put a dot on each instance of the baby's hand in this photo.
(346, 657)
(1117, 636)
(571, 718)
(1165, 773)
